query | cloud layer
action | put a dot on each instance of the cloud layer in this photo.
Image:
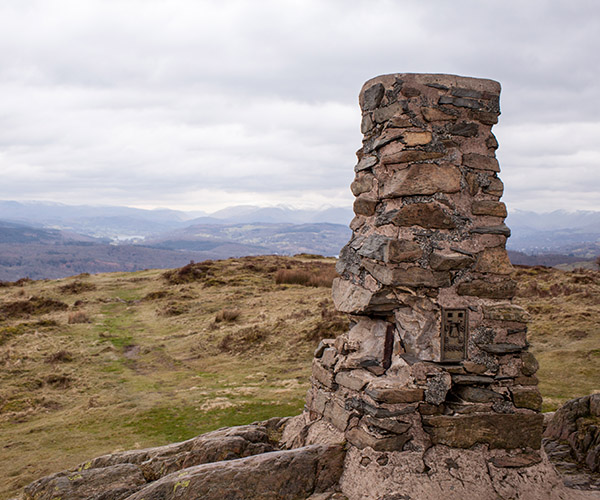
(202, 104)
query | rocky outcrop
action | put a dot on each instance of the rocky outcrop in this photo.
(281, 475)
(237, 463)
(572, 441)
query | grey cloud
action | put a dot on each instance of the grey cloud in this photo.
(212, 103)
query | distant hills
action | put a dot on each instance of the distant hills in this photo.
(557, 231)
(554, 238)
(282, 238)
(121, 223)
(48, 240)
(52, 240)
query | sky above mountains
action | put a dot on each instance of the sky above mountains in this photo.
(201, 104)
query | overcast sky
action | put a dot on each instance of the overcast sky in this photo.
(196, 104)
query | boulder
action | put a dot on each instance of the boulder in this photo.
(577, 423)
(280, 475)
(118, 475)
(114, 482)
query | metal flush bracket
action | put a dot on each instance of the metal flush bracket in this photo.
(455, 335)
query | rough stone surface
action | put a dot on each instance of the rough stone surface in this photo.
(428, 215)
(121, 474)
(446, 473)
(361, 438)
(292, 474)
(501, 229)
(365, 206)
(494, 261)
(351, 298)
(372, 96)
(402, 251)
(388, 392)
(114, 482)
(504, 289)
(577, 424)
(530, 365)
(495, 430)
(354, 379)
(422, 179)
(527, 398)
(506, 312)
(449, 261)
(410, 276)
(438, 386)
(365, 163)
(477, 394)
(489, 207)
(362, 184)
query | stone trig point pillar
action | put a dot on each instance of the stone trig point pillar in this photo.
(433, 386)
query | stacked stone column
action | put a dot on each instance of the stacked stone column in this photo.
(436, 352)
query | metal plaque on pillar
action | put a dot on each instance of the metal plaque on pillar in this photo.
(455, 334)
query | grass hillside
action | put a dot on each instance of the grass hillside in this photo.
(98, 363)
(564, 331)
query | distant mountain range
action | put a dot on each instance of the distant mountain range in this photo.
(121, 223)
(52, 240)
(559, 232)
(49, 240)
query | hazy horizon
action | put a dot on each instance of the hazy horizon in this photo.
(227, 206)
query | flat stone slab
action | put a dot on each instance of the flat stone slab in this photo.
(495, 430)
(280, 475)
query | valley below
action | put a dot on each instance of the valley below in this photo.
(41, 240)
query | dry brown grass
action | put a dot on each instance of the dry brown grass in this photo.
(77, 287)
(227, 315)
(564, 330)
(174, 308)
(20, 282)
(62, 356)
(243, 340)
(331, 324)
(137, 374)
(158, 294)
(34, 306)
(190, 273)
(315, 275)
(78, 317)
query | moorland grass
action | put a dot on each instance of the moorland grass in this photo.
(138, 375)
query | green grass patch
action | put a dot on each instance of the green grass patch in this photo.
(129, 295)
(8, 332)
(116, 325)
(170, 424)
(113, 367)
